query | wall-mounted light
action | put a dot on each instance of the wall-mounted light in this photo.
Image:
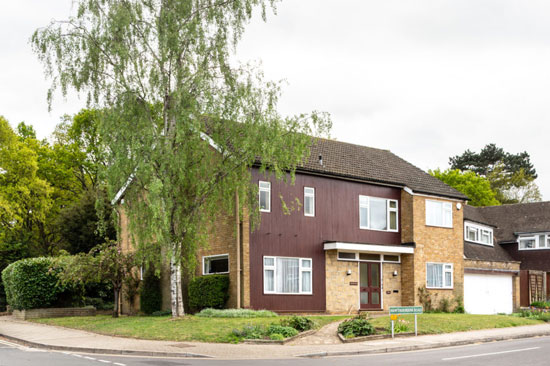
(394, 273)
(458, 206)
(348, 273)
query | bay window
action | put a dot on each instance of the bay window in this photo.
(286, 275)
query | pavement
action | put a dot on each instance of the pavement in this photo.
(71, 340)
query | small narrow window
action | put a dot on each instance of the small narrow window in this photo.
(309, 201)
(265, 196)
(391, 258)
(369, 257)
(344, 255)
(216, 264)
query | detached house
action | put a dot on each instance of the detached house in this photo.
(371, 231)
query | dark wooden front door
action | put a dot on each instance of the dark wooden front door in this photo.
(369, 285)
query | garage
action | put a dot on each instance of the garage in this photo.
(488, 293)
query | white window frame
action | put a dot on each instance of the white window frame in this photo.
(263, 189)
(204, 258)
(301, 270)
(446, 207)
(388, 211)
(536, 238)
(445, 270)
(310, 194)
(356, 258)
(479, 231)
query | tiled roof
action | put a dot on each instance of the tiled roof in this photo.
(523, 217)
(373, 165)
(507, 220)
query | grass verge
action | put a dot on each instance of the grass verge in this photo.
(449, 323)
(190, 328)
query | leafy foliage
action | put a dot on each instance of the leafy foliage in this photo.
(286, 332)
(356, 327)
(250, 332)
(150, 294)
(34, 283)
(511, 175)
(541, 304)
(300, 323)
(159, 73)
(235, 313)
(476, 187)
(210, 291)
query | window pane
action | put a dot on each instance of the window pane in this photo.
(288, 275)
(548, 241)
(269, 283)
(364, 274)
(393, 204)
(364, 297)
(216, 264)
(343, 255)
(393, 220)
(309, 190)
(265, 185)
(378, 214)
(472, 234)
(369, 257)
(363, 217)
(447, 214)
(363, 200)
(527, 243)
(306, 263)
(375, 296)
(433, 213)
(448, 276)
(485, 237)
(308, 205)
(434, 275)
(269, 261)
(391, 258)
(264, 200)
(306, 281)
(542, 241)
(375, 275)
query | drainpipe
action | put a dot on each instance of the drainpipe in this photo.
(238, 244)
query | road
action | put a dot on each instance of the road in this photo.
(531, 351)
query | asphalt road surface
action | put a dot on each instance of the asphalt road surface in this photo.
(531, 351)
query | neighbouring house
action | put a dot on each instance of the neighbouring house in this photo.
(371, 230)
(517, 260)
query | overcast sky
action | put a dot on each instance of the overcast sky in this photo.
(424, 79)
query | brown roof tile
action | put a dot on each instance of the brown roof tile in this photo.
(373, 165)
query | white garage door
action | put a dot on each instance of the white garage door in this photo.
(488, 294)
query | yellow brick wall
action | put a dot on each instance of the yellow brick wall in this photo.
(391, 283)
(433, 244)
(341, 296)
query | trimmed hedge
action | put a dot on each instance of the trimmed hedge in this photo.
(32, 283)
(208, 292)
(150, 294)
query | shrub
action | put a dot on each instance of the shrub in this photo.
(249, 332)
(150, 294)
(444, 306)
(425, 299)
(276, 337)
(235, 313)
(33, 283)
(459, 307)
(208, 292)
(541, 304)
(284, 331)
(300, 323)
(356, 327)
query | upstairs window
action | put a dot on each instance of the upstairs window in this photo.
(309, 201)
(439, 275)
(439, 213)
(478, 234)
(534, 241)
(265, 196)
(378, 213)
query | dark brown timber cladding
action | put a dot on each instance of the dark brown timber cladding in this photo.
(535, 259)
(295, 235)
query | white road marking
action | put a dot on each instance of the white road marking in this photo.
(89, 358)
(118, 364)
(489, 354)
(104, 361)
(74, 354)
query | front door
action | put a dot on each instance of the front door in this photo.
(369, 285)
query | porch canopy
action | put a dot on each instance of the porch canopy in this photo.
(368, 248)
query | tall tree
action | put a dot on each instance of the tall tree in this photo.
(476, 187)
(511, 176)
(176, 116)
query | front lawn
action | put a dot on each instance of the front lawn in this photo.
(448, 323)
(190, 328)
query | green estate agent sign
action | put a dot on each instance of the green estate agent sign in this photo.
(405, 310)
(402, 310)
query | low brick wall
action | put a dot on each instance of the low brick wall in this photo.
(53, 313)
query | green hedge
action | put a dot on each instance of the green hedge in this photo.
(31, 283)
(150, 294)
(208, 292)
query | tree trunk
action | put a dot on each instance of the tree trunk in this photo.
(117, 297)
(175, 289)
